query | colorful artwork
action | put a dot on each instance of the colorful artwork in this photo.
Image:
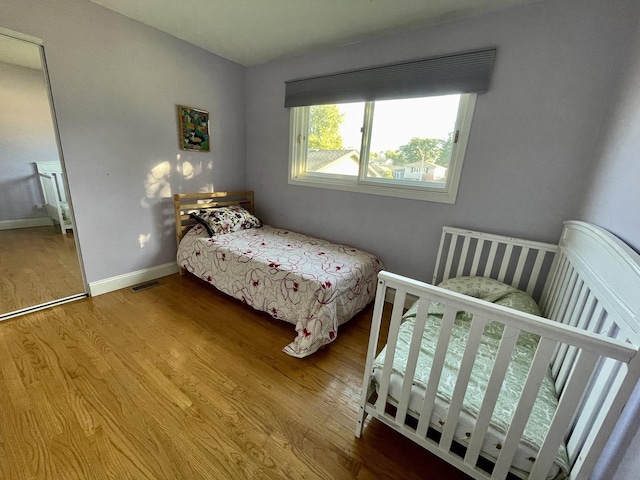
(194, 129)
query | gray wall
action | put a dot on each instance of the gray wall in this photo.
(26, 136)
(116, 84)
(536, 144)
(614, 195)
(530, 155)
(612, 202)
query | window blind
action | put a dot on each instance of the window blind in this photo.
(465, 72)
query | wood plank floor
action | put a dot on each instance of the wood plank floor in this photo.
(37, 265)
(182, 382)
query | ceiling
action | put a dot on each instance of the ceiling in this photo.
(252, 32)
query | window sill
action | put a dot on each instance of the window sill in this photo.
(383, 190)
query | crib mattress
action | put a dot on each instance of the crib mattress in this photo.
(544, 407)
(522, 460)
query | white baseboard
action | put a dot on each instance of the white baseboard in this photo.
(25, 223)
(129, 279)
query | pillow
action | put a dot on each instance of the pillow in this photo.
(493, 291)
(202, 222)
(478, 287)
(221, 220)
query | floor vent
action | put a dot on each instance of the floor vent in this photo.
(144, 286)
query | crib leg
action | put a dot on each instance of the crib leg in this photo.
(362, 415)
(362, 412)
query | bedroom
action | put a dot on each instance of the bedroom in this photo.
(559, 122)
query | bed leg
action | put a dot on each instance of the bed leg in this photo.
(182, 271)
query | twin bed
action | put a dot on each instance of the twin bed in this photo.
(518, 363)
(314, 284)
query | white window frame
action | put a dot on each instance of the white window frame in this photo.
(299, 126)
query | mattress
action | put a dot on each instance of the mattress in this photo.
(314, 284)
(544, 407)
(522, 460)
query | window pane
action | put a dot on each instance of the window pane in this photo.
(334, 138)
(412, 140)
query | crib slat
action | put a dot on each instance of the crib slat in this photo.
(596, 318)
(568, 401)
(522, 259)
(450, 254)
(587, 311)
(553, 292)
(473, 342)
(574, 301)
(503, 359)
(584, 463)
(523, 410)
(505, 262)
(448, 320)
(597, 394)
(443, 236)
(567, 297)
(560, 289)
(606, 325)
(551, 282)
(392, 341)
(476, 257)
(412, 359)
(463, 256)
(608, 375)
(578, 320)
(535, 272)
(561, 305)
(490, 259)
(590, 306)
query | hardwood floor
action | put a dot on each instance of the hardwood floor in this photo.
(182, 382)
(37, 265)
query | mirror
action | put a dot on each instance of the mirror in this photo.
(39, 260)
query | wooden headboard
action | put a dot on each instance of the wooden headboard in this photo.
(184, 203)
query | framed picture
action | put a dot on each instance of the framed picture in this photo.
(194, 129)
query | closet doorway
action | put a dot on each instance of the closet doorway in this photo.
(39, 258)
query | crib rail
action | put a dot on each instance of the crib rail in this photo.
(521, 263)
(592, 350)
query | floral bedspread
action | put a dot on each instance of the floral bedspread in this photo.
(314, 284)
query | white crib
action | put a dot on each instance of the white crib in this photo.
(53, 190)
(587, 288)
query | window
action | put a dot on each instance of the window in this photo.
(398, 130)
(409, 147)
